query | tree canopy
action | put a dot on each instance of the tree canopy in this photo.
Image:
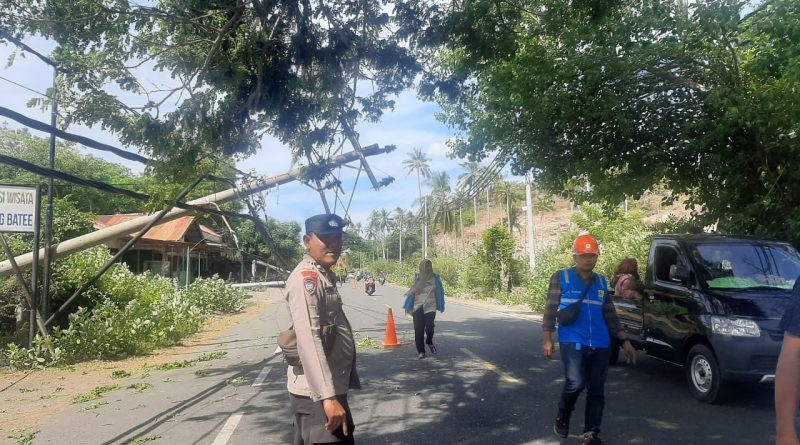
(700, 97)
(238, 69)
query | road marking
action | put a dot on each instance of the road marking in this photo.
(387, 305)
(227, 430)
(261, 376)
(503, 376)
(277, 350)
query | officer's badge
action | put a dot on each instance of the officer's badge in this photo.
(601, 293)
(309, 280)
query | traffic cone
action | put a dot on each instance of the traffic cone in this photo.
(353, 281)
(391, 335)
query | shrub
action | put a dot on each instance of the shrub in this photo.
(123, 314)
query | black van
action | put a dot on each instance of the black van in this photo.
(712, 304)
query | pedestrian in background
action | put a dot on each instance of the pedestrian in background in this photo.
(626, 281)
(425, 297)
(583, 335)
(787, 375)
(318, 385)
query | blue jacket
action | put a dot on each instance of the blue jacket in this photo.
(408, 305)
(590, 328)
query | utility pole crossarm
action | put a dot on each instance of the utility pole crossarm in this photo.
(351, 135)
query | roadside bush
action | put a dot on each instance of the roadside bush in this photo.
(124, 314)
(620, 236)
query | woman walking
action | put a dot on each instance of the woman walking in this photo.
(425, 297)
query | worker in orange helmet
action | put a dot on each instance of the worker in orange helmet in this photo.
(578, 299)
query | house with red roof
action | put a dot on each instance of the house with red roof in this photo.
(178, 248)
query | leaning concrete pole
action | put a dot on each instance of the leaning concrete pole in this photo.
(83, 242)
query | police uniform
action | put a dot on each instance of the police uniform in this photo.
(324, 342)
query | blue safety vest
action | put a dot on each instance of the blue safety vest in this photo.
(590, 328)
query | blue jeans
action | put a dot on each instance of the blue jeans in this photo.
(584, 367)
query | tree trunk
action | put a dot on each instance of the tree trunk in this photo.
(400, 244)
(424, 220)
(475, 209)
(461, 221)
(487, 208)
(508, 212)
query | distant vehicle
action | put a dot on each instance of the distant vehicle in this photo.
(712, 304)
(351, 276)
(369, 286)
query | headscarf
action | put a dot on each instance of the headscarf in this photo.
(424, 278)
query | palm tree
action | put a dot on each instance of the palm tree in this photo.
(510, 193)
(400, 215)
(384, 222)
(441, 202)
(418, 162)
(458, 199)
(467, 180)
(492, 179)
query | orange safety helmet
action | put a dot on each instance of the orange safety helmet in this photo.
(585, 244)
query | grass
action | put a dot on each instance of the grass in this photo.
(238, 381)
(120, 374)
(211, 356)
(174, 365)
(92, 406)
(201, 373)
(140, 387)
(23, 437)
(94, 394)
(368, 343)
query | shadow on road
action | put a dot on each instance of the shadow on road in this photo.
(452, 399)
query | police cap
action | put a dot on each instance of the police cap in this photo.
(325, 224)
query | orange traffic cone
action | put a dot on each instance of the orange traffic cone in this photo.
(391, 336)
(353, 281)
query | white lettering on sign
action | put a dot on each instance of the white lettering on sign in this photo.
(17, 208)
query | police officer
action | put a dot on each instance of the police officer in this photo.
(585, 342)
(318, 389)
(787, 375)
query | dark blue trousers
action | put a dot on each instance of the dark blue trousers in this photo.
(584, 367)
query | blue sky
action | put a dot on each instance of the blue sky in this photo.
(412, 124)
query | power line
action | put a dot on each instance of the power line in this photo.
(27, 88)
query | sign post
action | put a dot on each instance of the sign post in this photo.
(20, 207)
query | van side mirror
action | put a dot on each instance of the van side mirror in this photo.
(678, 274)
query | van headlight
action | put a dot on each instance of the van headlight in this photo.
(736, 327)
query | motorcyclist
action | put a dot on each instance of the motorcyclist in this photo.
(369, 285)
(381, 277)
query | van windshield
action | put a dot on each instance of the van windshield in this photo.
(747, 265)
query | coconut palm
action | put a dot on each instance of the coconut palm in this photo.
(399, 219)
(417, 162)
(441, 205)
(468, 180)
(458, 198)
(509, 192)
(381, 221)
(491, 178)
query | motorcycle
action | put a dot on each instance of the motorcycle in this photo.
(369, 286)
(381, 280)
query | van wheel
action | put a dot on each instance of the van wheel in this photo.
(613, 357)
(703, 374)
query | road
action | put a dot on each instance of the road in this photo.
(487, 384)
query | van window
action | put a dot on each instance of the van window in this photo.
(747, 265)
(666, 256)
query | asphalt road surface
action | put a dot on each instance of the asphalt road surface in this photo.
(487, 384)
